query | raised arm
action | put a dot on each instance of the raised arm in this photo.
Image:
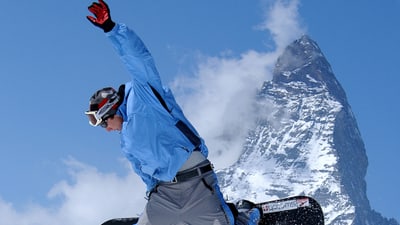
(128, 45)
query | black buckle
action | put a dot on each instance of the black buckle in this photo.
(196, 172)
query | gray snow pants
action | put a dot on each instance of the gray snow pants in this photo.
(197, 201)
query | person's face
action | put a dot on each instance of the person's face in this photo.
(114, 123)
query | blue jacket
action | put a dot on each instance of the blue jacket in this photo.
(149, 138)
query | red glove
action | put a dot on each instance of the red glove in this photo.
(102, 13)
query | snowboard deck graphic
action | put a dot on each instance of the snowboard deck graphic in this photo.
(297, 210)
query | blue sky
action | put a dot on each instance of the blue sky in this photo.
(52, 60)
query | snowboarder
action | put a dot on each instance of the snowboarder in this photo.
(163, 147)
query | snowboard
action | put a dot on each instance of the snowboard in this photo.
(296, 210)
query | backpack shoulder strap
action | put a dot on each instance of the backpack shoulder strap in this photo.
(193, 138)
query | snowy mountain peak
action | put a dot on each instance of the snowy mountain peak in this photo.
(303, 61)
(306, 142)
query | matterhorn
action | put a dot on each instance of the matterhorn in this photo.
(305, 142)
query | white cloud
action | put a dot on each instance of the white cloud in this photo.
(220, 100)
(220, 97)
(91, 198)
(283, 22)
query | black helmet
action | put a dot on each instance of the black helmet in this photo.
(102, 105)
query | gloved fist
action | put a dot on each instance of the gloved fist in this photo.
(102, 17)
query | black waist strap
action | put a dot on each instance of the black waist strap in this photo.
(196, 172)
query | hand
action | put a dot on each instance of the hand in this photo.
(102, 17)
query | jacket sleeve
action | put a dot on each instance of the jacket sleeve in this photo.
(134, 55)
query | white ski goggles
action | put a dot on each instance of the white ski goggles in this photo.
(100, 116)
(95, 120)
